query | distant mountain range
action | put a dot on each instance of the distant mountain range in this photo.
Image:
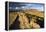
(30, 11)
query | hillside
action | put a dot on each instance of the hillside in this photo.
(27, 18)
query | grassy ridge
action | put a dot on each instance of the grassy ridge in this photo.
(25, 17)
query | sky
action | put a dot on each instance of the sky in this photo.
(17, 5)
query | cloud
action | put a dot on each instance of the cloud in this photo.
(27, 6)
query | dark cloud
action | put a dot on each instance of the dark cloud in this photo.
(14, 4)
(20, 5)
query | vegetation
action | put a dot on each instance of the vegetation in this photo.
(27, 19)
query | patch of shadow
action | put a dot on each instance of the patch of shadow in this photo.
(15, 24)
(41, 23)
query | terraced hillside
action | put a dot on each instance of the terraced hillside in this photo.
(26, 19)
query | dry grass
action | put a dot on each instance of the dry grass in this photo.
(24, 22)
